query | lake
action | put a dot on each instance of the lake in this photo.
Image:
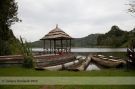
(118, 52)
(90, 49)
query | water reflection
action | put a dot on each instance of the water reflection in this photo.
(92, 66)
(98, 50)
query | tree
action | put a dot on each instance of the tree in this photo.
(8, 16)
(8, 12)
(132, 6)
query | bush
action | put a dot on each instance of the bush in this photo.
(28, 62)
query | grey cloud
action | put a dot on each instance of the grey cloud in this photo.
(76, 17)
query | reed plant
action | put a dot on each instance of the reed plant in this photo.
(27, 54)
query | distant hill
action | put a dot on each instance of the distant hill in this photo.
(133, 30)
(36, 44)
(88, 41)
(116, 38)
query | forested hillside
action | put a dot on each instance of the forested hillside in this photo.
(88, 41)
(116, 38)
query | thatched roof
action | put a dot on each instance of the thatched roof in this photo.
(56, 33)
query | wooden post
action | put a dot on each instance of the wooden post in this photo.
(66, 45)
(61, 45)
(70, 45)
(50, 46)
(54, 46)
(44, 46)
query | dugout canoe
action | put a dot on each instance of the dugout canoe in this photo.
(106, 62)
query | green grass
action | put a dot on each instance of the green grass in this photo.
(69, 87)
(19, 71)
(20, 87)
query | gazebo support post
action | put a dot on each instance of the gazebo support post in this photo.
(61, 45)
(44, 46)
(54, 46)
(66, 45)
(70, 45)
(50, 46)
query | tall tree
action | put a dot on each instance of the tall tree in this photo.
(8, 16)
(132, 6)
(8, 12)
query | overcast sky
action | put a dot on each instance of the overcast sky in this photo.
(78, 18)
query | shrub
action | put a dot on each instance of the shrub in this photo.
(28, 62)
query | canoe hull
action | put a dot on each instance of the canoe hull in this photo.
(107, 63)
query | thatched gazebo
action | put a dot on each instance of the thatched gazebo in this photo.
(59, 41)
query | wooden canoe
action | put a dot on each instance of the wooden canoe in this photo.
(110, 63)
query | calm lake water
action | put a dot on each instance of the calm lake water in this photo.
(90, 49)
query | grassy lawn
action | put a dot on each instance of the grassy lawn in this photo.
(68, 87)
(19, 71)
